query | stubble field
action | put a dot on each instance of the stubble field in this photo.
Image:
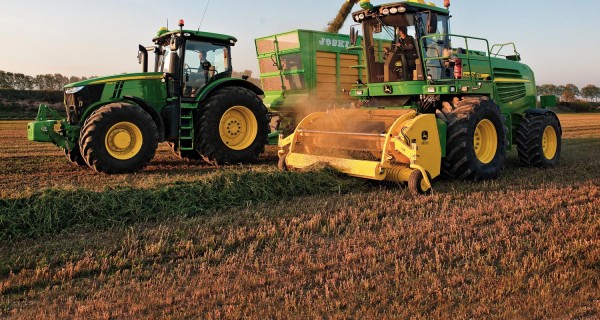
(186, 240)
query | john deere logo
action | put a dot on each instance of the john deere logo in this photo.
(424, 135)
(334, 42)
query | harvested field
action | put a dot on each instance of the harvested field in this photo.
(186, 240)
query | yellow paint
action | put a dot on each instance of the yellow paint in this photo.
(549, 142)
(126, 78)
(123, 140)
(510, 80)
(393, 147)
(485, 141)
(238, 128)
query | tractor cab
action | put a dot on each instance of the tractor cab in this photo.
(391, 36)
(192, 59)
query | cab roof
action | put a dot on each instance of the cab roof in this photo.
(198, 34)
(415, 6)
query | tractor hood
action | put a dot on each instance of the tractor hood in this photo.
(115, 78)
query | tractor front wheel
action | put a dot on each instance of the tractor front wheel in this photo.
(476, 143)
(539, 140)
(118, 138)
(74, 156)
(233, 127)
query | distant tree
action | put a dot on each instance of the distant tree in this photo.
(590, 92)
(73, 79)
(569, 92)
(5, 83)
(547, 90)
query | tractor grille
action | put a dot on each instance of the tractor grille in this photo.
(76, 103)
(509, 91)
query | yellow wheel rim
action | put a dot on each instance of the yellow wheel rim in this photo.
(549, 142)
(485, 141)
(123, 140)
(238, 128)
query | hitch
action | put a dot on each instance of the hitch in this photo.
(42, 129)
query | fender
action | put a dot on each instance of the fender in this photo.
(228, 82)
(155, 116)
(543, 112)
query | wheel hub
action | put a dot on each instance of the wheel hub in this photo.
(485, 141)
(549, 142)
(123, 140)
(238, 127)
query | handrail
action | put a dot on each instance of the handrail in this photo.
(469, 55)
(500, 47)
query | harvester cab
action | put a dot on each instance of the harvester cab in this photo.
(433, 103)
(189, 100)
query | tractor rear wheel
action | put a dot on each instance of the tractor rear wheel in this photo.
(476, 143)
(233, 127)
(118, 138)
(74, 156)
(539, 140)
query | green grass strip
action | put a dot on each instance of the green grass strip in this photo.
(51, 211)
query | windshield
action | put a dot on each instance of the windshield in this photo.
(393, 52)
(203, 61)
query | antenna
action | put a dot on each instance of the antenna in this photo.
(206, 8)
(167, 23)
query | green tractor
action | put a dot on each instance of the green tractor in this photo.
(434, 104)
(114, 124)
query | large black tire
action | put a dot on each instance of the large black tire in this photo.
(74, 156)
(539, 140)
(184, 154)
(233, 127)
(118, 138)
(476, 141)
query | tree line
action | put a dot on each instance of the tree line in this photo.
(19, 81)
(56, 82)
(569, 92)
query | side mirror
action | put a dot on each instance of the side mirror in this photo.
(353, 36)
(175, 43)
(143, 57)
(432, 22)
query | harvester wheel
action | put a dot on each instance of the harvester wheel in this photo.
(233, 126)
(184, 154)
(416, 183)
(74, 156)
(476, 144)
(118, 138)
(539, 140)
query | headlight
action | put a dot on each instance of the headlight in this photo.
(73, 90)
(394, 10)
(385, 11)
(361, 16)
(401, 9)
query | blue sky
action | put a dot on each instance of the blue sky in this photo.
(557, 39)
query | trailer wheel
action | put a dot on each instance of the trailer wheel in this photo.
(476, 143)
(118, 138)
(539, 140)
(416, 183)
(281, 165)
(184, 154)
(74, 156)
(233, 126)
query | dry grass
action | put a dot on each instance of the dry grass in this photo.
(523, 246)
